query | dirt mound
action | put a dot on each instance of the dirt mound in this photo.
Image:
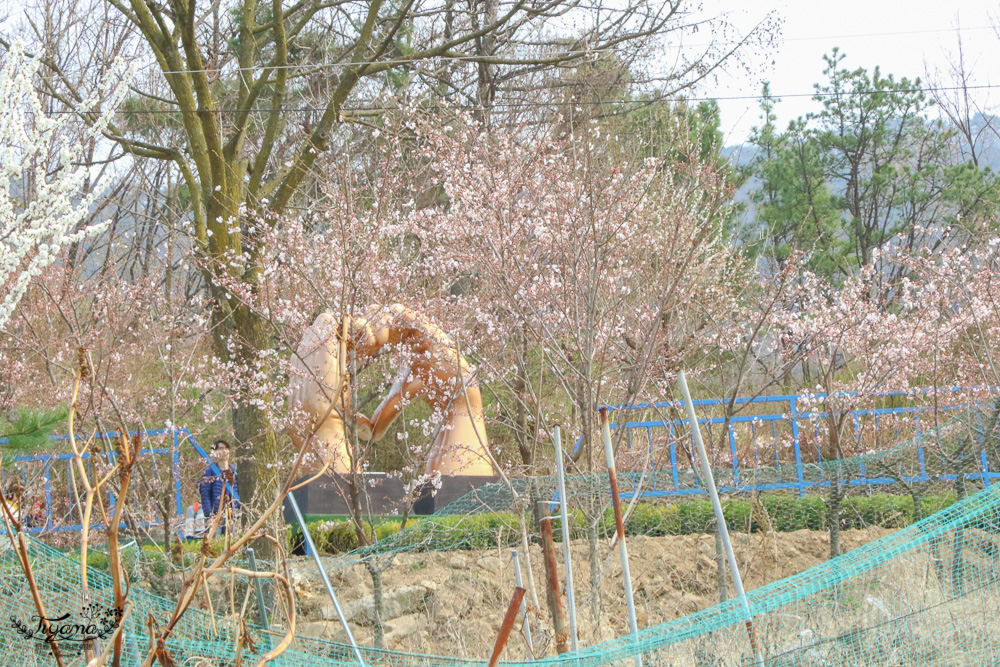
(451, 603)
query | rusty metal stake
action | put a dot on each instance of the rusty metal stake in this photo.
(616, 503)
(508, 624)
(552, 578)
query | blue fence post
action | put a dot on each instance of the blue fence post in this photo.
(732, 453)
(69, 487)
(675, 478)
(111, 494)
(799, 474)
(920, 448)
(652, 460)
(178, 501)
(861, 461)
(48, 492)
(986, 468)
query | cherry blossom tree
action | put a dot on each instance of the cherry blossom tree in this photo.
(862, 347)
(593, 256)
(580, 269)
(42, 199)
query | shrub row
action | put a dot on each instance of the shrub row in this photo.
(785, 512)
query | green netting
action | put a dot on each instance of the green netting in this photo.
(926, 594)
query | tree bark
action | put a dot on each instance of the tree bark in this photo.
(485, 84)
(377, 603)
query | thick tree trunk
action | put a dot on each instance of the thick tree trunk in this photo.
(256, 443)
(377, 603)
(255, 447)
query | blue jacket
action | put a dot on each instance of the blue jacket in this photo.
(212, 487)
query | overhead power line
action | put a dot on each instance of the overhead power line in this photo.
(889, 34)
(378, 108)
(580, 52)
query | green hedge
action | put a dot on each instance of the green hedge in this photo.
(340, 536)
(489, 531)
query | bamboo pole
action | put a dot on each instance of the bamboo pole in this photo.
(567, 545)
(616, 503)
(524, 605)
(508, 624)
(720, 519)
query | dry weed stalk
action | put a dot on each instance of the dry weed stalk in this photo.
(158, 649)
(94, 483)
(20, 545)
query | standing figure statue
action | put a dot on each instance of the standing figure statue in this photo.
(435, 372)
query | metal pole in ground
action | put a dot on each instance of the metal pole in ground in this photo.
(720, 519)
(524, 605)
(616, 503)
(326, 579)
(567, 551)
(552, 577)
(507, 626)
(261, 607)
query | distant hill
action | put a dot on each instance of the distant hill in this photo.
(985, 127)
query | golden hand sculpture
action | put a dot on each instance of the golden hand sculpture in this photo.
(316, 386)
(437, 373)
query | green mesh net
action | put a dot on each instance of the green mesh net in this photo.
(926, 592)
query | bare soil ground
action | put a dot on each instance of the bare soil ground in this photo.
(451, 603)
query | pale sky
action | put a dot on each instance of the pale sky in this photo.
(904, 38)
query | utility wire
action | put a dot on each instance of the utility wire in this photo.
(515, 60)
(362, 109)
(890, 34)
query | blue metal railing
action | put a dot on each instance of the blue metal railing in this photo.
(789, 420)
(178, 437)
(745, 430)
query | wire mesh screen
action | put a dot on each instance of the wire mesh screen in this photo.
(916, 584)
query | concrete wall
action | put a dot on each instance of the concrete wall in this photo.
(382, 495)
